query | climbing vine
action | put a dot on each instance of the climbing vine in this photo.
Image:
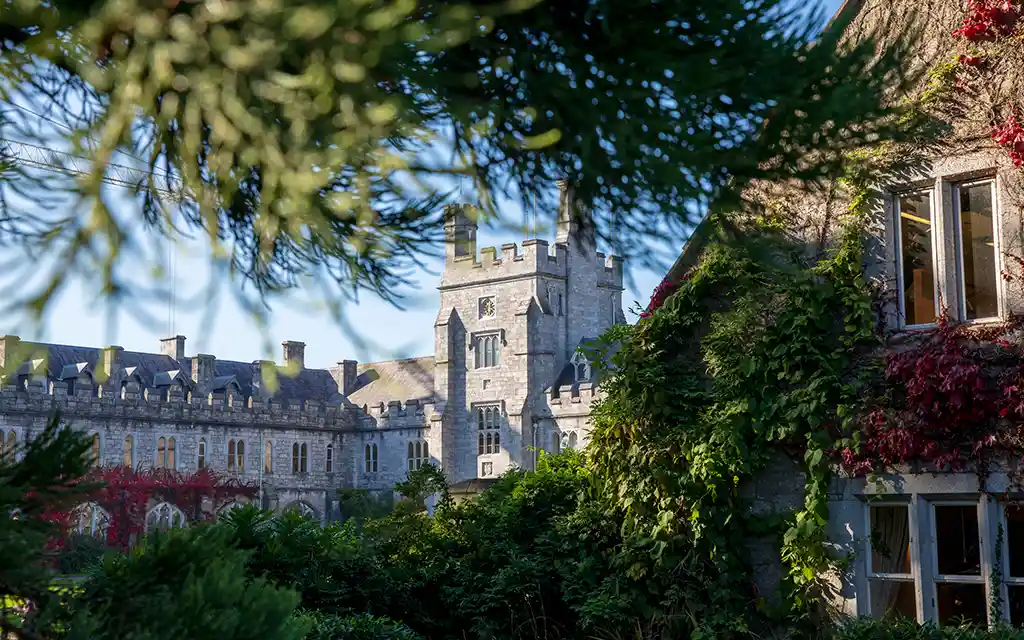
(747, 356)
(991, 30)
(126, 494)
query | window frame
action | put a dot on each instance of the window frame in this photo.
(487, 347)
(201, 451)
(915, 556)
(961, 271)
(329, 458)
(1006, 580)
(128, 451)
(897, 200)
(170, 459)
(984, 576)
(488, 432)
(300, 458)
(235, 450)
(370, 457)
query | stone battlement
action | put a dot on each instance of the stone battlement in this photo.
(571, 399)
(172, 405)
(412, 414)
(612, 275)
(532, 257)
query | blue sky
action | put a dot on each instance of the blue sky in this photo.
(220, 327)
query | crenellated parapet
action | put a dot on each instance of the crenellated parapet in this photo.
(611, 277)
(398, 415)
(571, 399)
(34, 397)
(532, 257)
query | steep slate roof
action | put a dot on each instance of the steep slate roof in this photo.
(156, 370)
(382, 382)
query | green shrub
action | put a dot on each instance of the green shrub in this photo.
(183, 584)
(80, 553)
(358, 627)
(867, 629)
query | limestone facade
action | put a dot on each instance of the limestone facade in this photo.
(506, 379)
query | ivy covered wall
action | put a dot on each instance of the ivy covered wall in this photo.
(768, 394)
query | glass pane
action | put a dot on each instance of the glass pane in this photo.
(956, 534)
(979, 251)
(890, 539)
(917, 259)
(1016, 598)
(961, 603)
(890, 599)
(1013, 539)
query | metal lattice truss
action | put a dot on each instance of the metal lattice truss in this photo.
(39, 157)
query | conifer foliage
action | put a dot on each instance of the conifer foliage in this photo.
(305, 137)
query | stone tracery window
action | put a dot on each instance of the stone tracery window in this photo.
(165, 516)
(581, 367)
(488, 429)
(303, 509)
(487, 350)
(329, 462)
(236, 456)
(90, 519)
(165, 453)
(417, 454)
(268, 457)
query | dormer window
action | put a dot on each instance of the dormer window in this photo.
(973, 273)
(580, 368)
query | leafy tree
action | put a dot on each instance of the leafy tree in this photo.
(37, 479)
(359, 504)
(182, 584)
(305, 139)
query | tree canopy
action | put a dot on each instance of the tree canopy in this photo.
(309, 138)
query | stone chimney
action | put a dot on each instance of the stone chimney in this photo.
(204, 369)
(174, 347)
(294, 354)
(8, 346)
(259, 388)
(110, 363)
(349, 374)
